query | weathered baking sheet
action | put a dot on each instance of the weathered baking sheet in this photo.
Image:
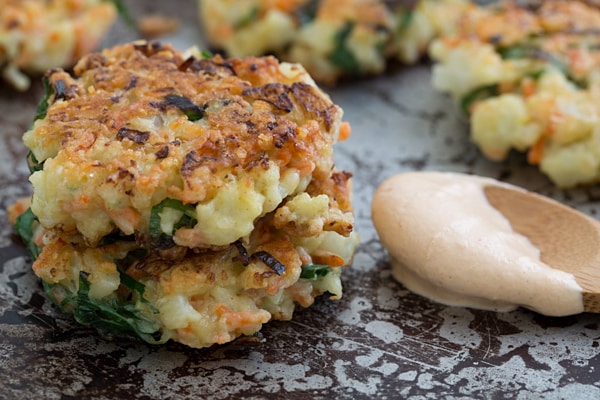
(378, 341)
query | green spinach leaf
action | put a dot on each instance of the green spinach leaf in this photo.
(314, 271)
(25, 227)
(308, 12)
(188, 219)
(110, 315)
(341, 56)
(33, 164)
(42, 107)
(123, 13)
(478, 94)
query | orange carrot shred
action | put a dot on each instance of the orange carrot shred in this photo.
(534, 156)
(345, 131)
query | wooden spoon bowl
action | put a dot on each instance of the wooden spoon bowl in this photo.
(567, 239)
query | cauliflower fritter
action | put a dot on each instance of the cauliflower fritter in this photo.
(420, 25)
(36, 35)
(528, 76)
(197, 192)
(332, 39)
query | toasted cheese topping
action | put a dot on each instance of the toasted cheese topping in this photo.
(141, 123)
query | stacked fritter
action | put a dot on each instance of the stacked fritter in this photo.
(186, 197)
(36, 35)
(333, 39)
(528, 76)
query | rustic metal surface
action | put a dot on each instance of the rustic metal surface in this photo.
(379, 341)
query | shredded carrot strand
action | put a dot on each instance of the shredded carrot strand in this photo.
(536, 152)
(528, 87)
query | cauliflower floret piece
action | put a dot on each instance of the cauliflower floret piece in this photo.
(555, 82)
(428, 20)
(501, 123)
(307, 213)
(569, 114)
(365, 45)
(312, 46)
(464, 67)
(572, 120)
(231, 214)
(258, 38)
(575, 164)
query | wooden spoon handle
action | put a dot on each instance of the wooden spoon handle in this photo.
(591, 302)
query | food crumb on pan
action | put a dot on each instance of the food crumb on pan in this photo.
(152, 26)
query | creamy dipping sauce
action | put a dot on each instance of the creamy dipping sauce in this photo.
(449, 244)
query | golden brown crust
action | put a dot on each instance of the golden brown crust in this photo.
(232, 85)
(146, 122)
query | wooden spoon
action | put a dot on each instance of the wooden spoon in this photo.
(567, 239)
